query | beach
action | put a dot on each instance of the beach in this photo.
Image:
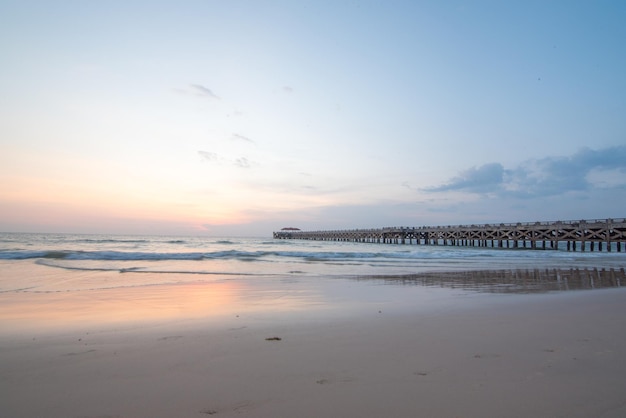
(468, 355)
(128, 336)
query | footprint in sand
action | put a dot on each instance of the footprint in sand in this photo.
(170, 337)
(426, 372)
(82, 352)
(237, 328)
(238, 408)
(331, 381)
(487, 355)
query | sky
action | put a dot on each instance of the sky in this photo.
(238, 118)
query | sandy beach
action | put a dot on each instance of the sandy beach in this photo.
(464, 354)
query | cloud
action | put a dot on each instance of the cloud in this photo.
(209, 156)
(287, 89)
(237, 137)
(550, 176)
(203, 91)
(476, 180)
(242, 162)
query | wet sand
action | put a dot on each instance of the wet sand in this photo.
(433, 352)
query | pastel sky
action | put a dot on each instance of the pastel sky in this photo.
(243, 117)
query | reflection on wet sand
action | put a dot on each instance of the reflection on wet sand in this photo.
(134, 305)
(514, 280)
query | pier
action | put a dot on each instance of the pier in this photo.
(583, 235)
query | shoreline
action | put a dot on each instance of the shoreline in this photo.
(83, 299)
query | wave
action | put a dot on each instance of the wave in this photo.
(216, 255)
(279, 254)
(25, 255)
(50, 263)
(112, 241)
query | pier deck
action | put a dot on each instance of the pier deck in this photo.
(583, 235)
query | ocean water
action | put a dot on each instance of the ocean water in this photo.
(64, 282)
(43, 262)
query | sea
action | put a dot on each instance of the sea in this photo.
(61, 262)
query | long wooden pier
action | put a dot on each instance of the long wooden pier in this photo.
(583, 235)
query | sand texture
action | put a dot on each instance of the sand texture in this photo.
(550, 355)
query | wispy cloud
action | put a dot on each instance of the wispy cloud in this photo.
(209, 156)
(483, 179)
(287, 89)
(549, 176)
(212, 157)
(237, 137)
(202, 91)
(242, 162)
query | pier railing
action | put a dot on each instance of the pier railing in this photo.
(587, 234)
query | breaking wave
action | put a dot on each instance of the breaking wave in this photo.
(215, 255)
